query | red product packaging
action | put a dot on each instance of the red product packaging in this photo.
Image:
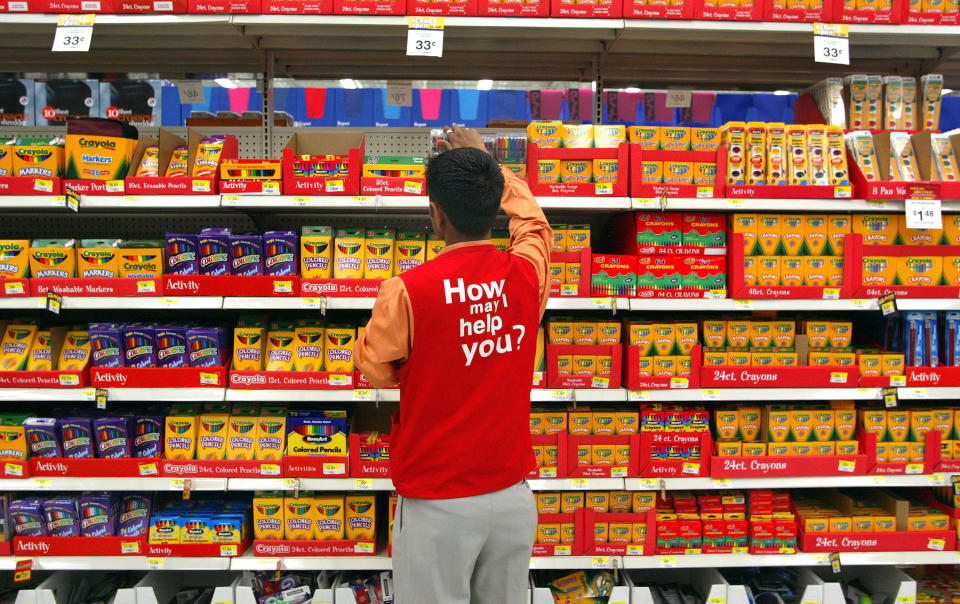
(451, 8)
(369, 7)
(658, 9)
(594, 9)
(224, 7)
(613, 275)
(514, 8)
(135, 7)
(797, 11)
(867, 11)
(297, 7)
(726, 10)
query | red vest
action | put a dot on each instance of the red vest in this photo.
(464, 421)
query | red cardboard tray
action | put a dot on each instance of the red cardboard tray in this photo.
(839, 13)
(151, 6)
(198, 550)
(583, 381)
(930, 463)
(340, 288)
(368, 7)
(638, 155)
(80, 546)
(647, 548)
(637, 382)
(674, 468)
(889, 189)
(301, 466)
(335, 185)
(19, 288)
(514, 8)
(595, 10)
(582, 289)
(449, 8)
(641, 10)
(95, 467)
(858, 251)
(96, 287)
(728, 13)
(897, 541)
(797, 15)
(365, 468)
(779, 377)
(778, 467)
(291, 380)
(295, 7)
(224, 7)
(338, 547)
(230, 285)
(558, 440)
(171, 185)
(158, 377)
(220, 468)
(44, 379)
(613, 470)
(31, 185)
(577, 548)
(113, 188)
(588, 189)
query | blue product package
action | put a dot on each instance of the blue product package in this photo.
(113, 437)
(914, 341)
(134, 519)
(96, 514)
(213, 247)
(206, 347)
(182, 255)
(281, 250)
(43, 437)
(76, 437)
(60, 514)
(951, 346)
(27, 518)
(139, 345)
(171, 346)
(148, 436)
(932, 340)
(246, 255)
(106, 343)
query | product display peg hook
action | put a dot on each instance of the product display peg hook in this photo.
(663, 489)
(613, 305)
(323, 306)
(663, 202)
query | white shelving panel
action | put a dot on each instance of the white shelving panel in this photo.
(260, 563)
(136, 563)
(357, 203)
(148, 202)
(142, 303)
(573, 484)
(32, 202)
(310, 484)
(928, 393)
(166, 394)
(540, 395)
(727, 560)
(47, 394)
(584, 203)
(403, 202)
(28, 303)
(110, 484)
(292, 396)
(730, 304)
(296, 303)
(779, 205)
(571, 562)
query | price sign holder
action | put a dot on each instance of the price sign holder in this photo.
(101, 396)
(887, 304)
(400, 93)
(890, 399)
(831, 43)
(191, 91)
(425, 37)
(73, 34)
(834, 559)
(54, 302)
(923, 214)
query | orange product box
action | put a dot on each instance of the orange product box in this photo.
(870, 365)
(876, 229)
(604, 423)
(749, 422)
(729, 449)
(824, 421)
(580, 421)
(768, 270)
(727, 424)
(554, 422)
(621, 454)
(627, 422)
(584, 455)
(547, 502)
(641, 336)
(893, 364)
(665, 366)
(602, 455)
(838, 226)
(571, 501)
(792, 234)
(791, 271)
(846, 447)
(748, 226)
(898, 425)
(761, 334)
(714, 359)
(714, 333)
(599, 501)
(815, 232)
(778, 425)
(845, 423)
(585, 333)
(584, 364)
(754, 449)
(769, 228)
(564, 364)
(834, 271)
(644, 367)
(879, 270)
(801, 425)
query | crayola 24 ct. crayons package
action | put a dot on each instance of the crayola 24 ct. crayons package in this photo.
(99, 149)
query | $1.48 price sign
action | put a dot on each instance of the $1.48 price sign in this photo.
(425, 37)
(923, 214)
(74, 33)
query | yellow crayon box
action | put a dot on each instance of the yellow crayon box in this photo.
(729, 449)
(599, 501)
(714, 333)
(652, 172)
(606, 170)
(749, 423)
(686, 337)
(704, 139)
(786, 359)
(548, 533)
(648, 137)
(664, 366)
(380, 247)
(271, 434)
(754, 449)
(268, 516)
(791, 270)
(674, 138)
(548, 503)
(584, 364)
(140, 263)
(576, 136)
(846, 447)
(714, 359)
(571, 501)
(560, 331)
(778, 425)
(919, 270)
(545, 133)
(74, 351)
(585, 333)
(892, 364)
(328, 517)
(802, 425)
(604, 423)
(316, 252)
(548, 170)
(338, 347)
(360, 516)
(601, 455)
(898, 425)
(664, 338)
(349, 254)
(298, 516)
(704, 173)
(576, 170)
(876, 229)
(678, 172)
(241, 436)
(580, 421)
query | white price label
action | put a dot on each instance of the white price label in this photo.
(42, 483)
(898, 381)
(843, 192)
(831, 293)
(363, 484)
(645, 203)
(679, 98)
(154, 563)
(601, 562)
(923, 214)
(638, 395)
(191, 91)
(667, 561)
(400, 93)
(269, 469)
(831, 44)
(743, 304)
(74, 33)
(425, 37)
(601, 303)
(580, 483)
(129, 547)
(710, 394)
(560, 395)
(364, 394)
(178, 484)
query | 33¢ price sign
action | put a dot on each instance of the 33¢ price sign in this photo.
(831, 43)
(425, 37)
(74, 33)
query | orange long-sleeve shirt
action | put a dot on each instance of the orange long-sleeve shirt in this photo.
(388, 337)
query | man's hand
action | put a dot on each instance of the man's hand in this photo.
(458, 137)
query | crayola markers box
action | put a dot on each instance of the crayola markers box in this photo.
(648, 137)
(180, 433)
(212, 436)
(316, 252)
(328, 517)
(298, 517)
(135, 262)
(53, 258)
(13, 439)
(268, 522)
(349, 254)
(318, 432)
(14, 258)
(37, 159)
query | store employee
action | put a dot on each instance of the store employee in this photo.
(459, 335)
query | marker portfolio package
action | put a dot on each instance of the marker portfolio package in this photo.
(99, 149)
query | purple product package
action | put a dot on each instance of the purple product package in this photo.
(76, 437)
(213, 246)
(106, 342)
(61, 516)
(246, 255)
(96, 516)
(182, 254)
(43, 437)
(171, 345)
(27, 518)
(281, 253)
(148, 436)
(113, 437)
(140, 345)
(134, 516)
(206, 347)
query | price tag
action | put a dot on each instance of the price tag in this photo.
(46, 186)
(146, 287)
(269, 469)
(716, 294)
(704, 192)
(601, 303)
(569, 289)
(600, 382)
(710, 394)
(289, 484)
(229, 200)
(148, 469)
(191, 91)
(923, 214)
(717, 600)
(917, 392)
(425, 37)
(270, 188)
(601, 562)
(333, 186)
(936, 544)
(548, 472)
(831, 43)
(22, 571)
(858, 303)
(155, 563)
(364, 200)
(363, 548)
(887, 304)
(831, 293)
(562, 550)
(691, 467)
(580, 483)
(679, 383)
(14, 288)
(399, 93)
(412, 187)
(890, 400)
(667, 561)
(937, 479)
(847, 465)
(645, 203)
(618, 472)
(788, 550)
(365, 394)
(101, 394)
(743, 304)
(363, 484)
(838, 377)
(338, 379)
(201, 186)
(228, 550)
(634, 550)
(334, 469)
(129, 547)
(69, 379)
(209, 379)
(603, 188)
(914, 468)
(723, 483)
(898, 381)
(843, 192)
(560, 395)
(638, 395)
(301, 200)
(54, 302)
(72, 199)
(74, 33)
(834, 559)
(283, 287)
(679, 98)
(178, 484)
(42, 483)
(878, 479)
(736, 203)
(313, 303)
(114, 186)
(13, 469)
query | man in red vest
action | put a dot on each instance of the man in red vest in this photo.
(459, 335)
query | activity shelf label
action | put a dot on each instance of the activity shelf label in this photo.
(425, 37)
(831, 43)
(73, 34)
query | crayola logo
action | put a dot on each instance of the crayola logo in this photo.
(93, 143)
(179, 427)
(97, 256)
(348, 248)
(213, 426)
(545, 167)
(674, 133)
(650, 168)
(248, 339)
(409, 249)
(769, 262)
(18, 334)
(606, 168)
(378, 249)
(576, 167)
(360, 507)
(665, 330)
(317, 248)
(545, 129)
(549, 531)
(9, 249)
(340, 339)
(33, 155)
(78, 341)
(310, 337)
(686, 330)
(281, 341)
(761, 328)
(603, 420)
(328, 509)
(561, 329)
(608, 330)
(298, 508)
(547, 499)
(50, 258)
(680, 169)
(268, 509)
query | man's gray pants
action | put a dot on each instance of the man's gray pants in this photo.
(470, 550)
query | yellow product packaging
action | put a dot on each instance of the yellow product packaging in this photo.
(548, 502)
(761, 334)
(778, 425)
(814, 270)
(836, 155)
(932, 85)
(642, 336)
(916, 452)
(943, 423)
(677, 172)
(798, 168)
(839, 524)
(298, 517)
(768, 270)
(845, 423)
(548, 170)
(727, 424)
(820, 359)
(565, 364)
(865, 154)
(55, 258)
(548, 533)
(665, 366)
(14, 258)
(580, 421)
(664, 338)
(686, 337)
(839, 334)
(308, 342)
(911, 119)
(540, 362)
(601, 532)
(786, 359)
(434, 246)
(212, 429)
(838, 226)
(584, 364)
(268, 515)
(823, 424)
(560, 331)
(652, 172)
(545, 134)
(608, 332)
(749, 422)
(241, 436)
(729, 449)
(780, 449)
(571, 501)
(870, 365)
(15, 346)
(792, 234)
(281, 347)
(791, 270)
(738, 334)
(756, 153)
(846, 447)
(316, 252)
(945, 167)
(41, 353)
(918, 237)
(647, 137)
(704, 139)
(784, 334)
(750, 276)
(620, 532)
(338, 347)
(674, 138)
(271, 434)
(249, 344)
(874, 421)
(150, 162)
(748, 226)
(6, 160)
(776, 143)
(328, 517)
(714, 359)
(876, 229)
(816, 155)
(599, 501)
(754, 449)
(379, 254)
(349, 254)
(179, 162)
(834, 270)
(823, 449)
(604, 423)
(769, 233)
(606, 170)
(361, 516)
(704, 173)
(74, 351)
(608, 136)
(180, 434)
(37, 160)
(601, 455)
(99, 149)
(800, 449)
(140, 263)
(898, 452)
(898, 425)
(584, 455)
(576, 136)
(207, 158)
(919, 270)
(621, 455)
(893, 364)
(643, 501)
(801, 425)
(714, 333)
(576, 171)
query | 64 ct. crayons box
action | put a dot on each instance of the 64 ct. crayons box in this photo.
(613, 275)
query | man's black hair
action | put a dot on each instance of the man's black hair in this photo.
(467, 185)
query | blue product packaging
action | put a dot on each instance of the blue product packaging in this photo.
(171, 346)
(182, 255)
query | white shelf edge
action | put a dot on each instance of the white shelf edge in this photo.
(47, 394)
(567, 484)
(142, 302)
(166, 394)
(55, 483)
(18, 303)
(320, 396)
(310, 484)
(32, 202)
(296, 303)
(299, 202)
(584, 203)
(755, 394)
(259, 563)
(115, 563)
(149, 202)
(724, 561)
